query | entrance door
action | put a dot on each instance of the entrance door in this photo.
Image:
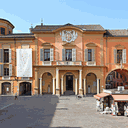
(25, 88)
(69, 82)
(6, 88)
(88, 88)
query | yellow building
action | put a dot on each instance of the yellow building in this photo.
(60, 59)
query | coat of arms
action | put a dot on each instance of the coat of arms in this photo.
(68, 36)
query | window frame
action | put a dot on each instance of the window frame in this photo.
(6, 71)
(119, 56)
(70, 53)
(46, 53)
(90, 54)
(2, 31)
(6, 56)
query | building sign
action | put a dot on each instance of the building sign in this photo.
(68, 36)
(24, 62)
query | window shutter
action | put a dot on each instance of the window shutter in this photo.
(1, 70)
(10, 69)
(51, 54)
(63, 54)
(86, 54)
(41, 54)
(10, 55)
(93, 54)
(73, 54)
(115, 56)
(124, 56)
(1, 55)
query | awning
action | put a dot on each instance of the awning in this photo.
(101, 95)
(120, 97)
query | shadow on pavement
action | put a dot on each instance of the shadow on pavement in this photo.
(29, 112)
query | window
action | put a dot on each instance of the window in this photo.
(117, 84)
(46, 54)
(89, 54)
(3, 31)
(6, 55)
(119, 56)
(68, 54)
(6, 71)
(120, 76)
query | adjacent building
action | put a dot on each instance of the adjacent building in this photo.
(60, 59)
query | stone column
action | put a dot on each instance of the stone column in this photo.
(53, 86)
(36, 81)
(76, 87)
(80, 83)
(40, 86)
(57, 82)
(85, 87)
(98, 86)
(62, 87)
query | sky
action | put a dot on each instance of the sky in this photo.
(110, 14)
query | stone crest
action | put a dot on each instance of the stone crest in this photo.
(68, 36)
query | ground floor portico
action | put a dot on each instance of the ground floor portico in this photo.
(62, 80)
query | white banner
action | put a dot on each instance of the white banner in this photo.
(24, 62)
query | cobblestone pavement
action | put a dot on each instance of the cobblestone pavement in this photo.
(72, 112)
(50, 111)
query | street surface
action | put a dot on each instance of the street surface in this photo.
(50, 111)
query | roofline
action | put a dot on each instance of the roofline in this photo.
(8, 22)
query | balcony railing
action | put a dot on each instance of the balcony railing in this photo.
(69, 63)
(91, 63)
(47, 63)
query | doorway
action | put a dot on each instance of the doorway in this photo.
(88, 88)
(69, 82)
(6, 88)
(25, 88)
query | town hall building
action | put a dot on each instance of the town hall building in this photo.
(62, 59)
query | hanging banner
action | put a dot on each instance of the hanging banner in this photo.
(24, 62)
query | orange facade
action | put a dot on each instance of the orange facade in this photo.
(77, 58)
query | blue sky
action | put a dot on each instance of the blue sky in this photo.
(111, 14)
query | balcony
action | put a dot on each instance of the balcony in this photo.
(69, 62)
(91, 63)
(47, 63)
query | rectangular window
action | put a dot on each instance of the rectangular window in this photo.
(6, 71)
(3, 31)
(119, 56)
(89, 54)
(6, 55)
(68, 54)
(46, 54)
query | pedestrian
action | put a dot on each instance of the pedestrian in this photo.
(15, 96)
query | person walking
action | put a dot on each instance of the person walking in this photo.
(15, 96)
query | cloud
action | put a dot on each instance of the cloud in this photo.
(19, 31)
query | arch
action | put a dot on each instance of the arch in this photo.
(70, 73)
(6, 88)
(47, 83)
(111, 81)
(25, 88)
(46, 72)
(69, 27)
(91, 83)
(113, 70)
(90, 44)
